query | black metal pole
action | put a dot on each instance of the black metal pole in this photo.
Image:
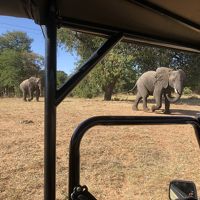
(87, 67)
(74, 155)
(128, 36)
(50, 110)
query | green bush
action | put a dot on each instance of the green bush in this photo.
(187, 91)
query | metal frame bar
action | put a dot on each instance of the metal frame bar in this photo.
(50, 113)
(87, 67)
(74, 155)
(50, 33)
(100, 30)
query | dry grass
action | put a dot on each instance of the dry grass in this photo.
(116, 162)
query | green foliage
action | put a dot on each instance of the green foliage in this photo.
(150, 58)
(17, 62)
(190, 63)
(61, 78)
(86, 89)
(81, 44)
(187, 91)
(114, 68)
(16, 40)
(10, 67)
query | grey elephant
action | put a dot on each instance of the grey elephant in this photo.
(161, 82)
(31, 86)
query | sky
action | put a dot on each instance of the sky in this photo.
(65, 61)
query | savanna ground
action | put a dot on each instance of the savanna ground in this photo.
(125, 163)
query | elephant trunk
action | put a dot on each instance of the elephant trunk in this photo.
(174, 99)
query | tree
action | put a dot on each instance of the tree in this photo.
(61, 78)
(10, 70)
(16, 40)
(190, 63)
(115, 67)
(15, 67)
(17, 61)
(150, 58)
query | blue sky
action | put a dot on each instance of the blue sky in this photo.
(65, 61)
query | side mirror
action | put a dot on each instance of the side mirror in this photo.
(182, 190)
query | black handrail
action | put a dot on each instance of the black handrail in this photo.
(74, 154)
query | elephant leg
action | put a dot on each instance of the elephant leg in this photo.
(37, 98)
(158, 98)
(145, 94)
(37, 94)
(31, 95)
(137, 100)
(167, 106)
(24, 95)
(145, 108)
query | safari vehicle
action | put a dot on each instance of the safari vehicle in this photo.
(172, 24)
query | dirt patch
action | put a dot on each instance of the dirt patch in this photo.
(128, 162)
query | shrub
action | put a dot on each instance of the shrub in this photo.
(187, 91)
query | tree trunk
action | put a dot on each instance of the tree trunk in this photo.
(108, 91)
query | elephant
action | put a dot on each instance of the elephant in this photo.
(31, 86)
(161, 82)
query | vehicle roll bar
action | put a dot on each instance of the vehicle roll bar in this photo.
(74, 150)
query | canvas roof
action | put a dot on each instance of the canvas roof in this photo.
(172, 23)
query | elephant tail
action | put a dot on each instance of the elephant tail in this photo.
(131, 90)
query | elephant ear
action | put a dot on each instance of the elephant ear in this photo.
(32, 79)
(183, 75)
(162, 76)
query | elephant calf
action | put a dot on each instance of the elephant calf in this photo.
(158, 83)
(29, 87)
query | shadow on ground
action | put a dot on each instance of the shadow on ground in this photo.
(193, 101)
(189, 101)
(185, 112)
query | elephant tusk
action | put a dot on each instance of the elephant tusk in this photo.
(175, 91)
